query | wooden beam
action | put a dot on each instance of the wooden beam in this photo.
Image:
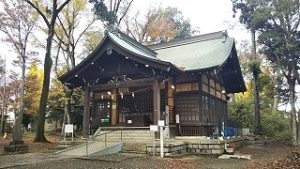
(86, 113)
(156, 101)
(130, 83)
(114, 111)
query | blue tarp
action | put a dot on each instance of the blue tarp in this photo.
(230, 131)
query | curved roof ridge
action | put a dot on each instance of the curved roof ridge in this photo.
(133, 42)
(193, 39)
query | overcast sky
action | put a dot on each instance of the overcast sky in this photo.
(205, 15)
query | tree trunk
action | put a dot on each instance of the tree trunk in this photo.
(68, 92)
(67, 109)
(2, 128)
(293, 111)
(277, 90)
(256, 89)
(17, 132)
(257, 105)
(40, 132)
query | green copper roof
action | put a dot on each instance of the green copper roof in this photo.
(196, 53)
(132, 46)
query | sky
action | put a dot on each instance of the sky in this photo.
(205, 15)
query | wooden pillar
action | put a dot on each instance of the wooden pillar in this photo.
(114, 111)
(156, 101)
(170, 96)
(86, 113)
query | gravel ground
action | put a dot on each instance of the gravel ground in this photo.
(261, 154)
(139, 161)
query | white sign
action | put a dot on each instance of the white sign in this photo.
(129, 121)
(154, 128)
(177, 118)
(161, 123)
(68, 128)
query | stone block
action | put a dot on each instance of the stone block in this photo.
(219, 146)
(208, 151)
(205, 146)
(195, 146)
(219, 151)
(211, 146)
(202, 151)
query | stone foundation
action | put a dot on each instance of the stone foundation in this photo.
(16, 148)
(196, 146)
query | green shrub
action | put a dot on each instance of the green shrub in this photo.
(275, 125)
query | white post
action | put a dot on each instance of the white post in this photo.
(154, 147)
(86, 146)
(161, 142)
(161, 124)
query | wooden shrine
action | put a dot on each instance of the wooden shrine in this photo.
(128, 84)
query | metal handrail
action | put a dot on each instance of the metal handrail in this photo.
(108, 132)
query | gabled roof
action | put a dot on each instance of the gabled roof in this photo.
(209, 51)
(135, 50)
(196, 53)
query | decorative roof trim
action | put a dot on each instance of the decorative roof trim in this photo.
(204, 37)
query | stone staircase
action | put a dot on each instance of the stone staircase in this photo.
(133, 139)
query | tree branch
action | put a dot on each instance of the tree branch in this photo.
(82, 33)
(63, 5)
(39, 11)
(125, 12)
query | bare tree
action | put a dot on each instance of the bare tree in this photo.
(69, 34)
(17, 24)
(49, 16)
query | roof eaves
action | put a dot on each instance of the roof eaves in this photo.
(82, 63)
(154, 59)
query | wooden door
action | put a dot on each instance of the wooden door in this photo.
(102, 113)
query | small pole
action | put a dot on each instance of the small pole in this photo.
(86, 146)
(121, 135)
(161, 142)
(105, 139)
(154, 147)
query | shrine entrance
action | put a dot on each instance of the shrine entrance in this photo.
(101, 116)
(135, 108)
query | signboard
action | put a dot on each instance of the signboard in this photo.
(154, 128)
(161, 123)
(68, 128)
(104, 120)
(177, 118)
(167, 115)
(129, 121)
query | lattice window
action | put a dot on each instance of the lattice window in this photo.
(188, 107)
(183, 87)
(205, 108)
